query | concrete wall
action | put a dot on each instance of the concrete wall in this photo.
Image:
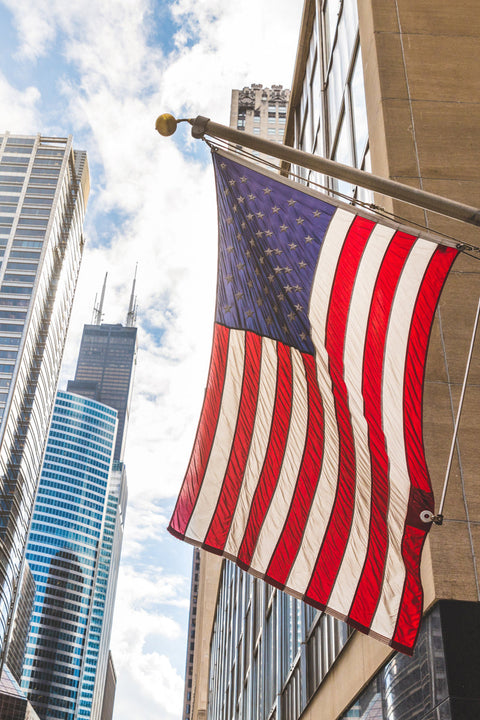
(421, 61)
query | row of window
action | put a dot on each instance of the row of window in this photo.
(335, 126)
(249, 674)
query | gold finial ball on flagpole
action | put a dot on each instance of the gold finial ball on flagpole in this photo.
(166, 124)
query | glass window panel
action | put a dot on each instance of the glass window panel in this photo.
(13, 314)
(9, 168)
(362, 193)
(14, 302)
(6, 369)
(32, 221)
(40, 180)
(11, 179)
(7, 187)
(24, 254)
(343, 50)
(17, 277)
(335, 93)
(10, 327)
(46, 162)
(331, 10)
(31, 192)
(351, 18)
(343, 149)
(29, 243)
(33, 201)
(25, 142)
(40, 171)
(45, 152)
(343, 154)
(359, 109)
(19, 162)
(15, 290)
(34, 211)
(20, 150)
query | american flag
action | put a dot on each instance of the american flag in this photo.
(308, 468)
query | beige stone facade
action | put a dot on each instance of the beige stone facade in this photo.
(424, 118)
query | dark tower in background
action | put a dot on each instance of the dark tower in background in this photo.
(106, 364)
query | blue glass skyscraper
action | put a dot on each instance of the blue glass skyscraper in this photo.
(64, 552)
(98, 644)
(65, 672)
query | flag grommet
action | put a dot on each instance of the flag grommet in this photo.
(426, 516)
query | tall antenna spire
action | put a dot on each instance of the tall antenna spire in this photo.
(98, 309)
(132, 308)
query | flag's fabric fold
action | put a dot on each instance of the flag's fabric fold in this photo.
(308, 467)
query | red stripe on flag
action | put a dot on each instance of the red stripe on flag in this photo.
(205, 434)
(367, 594)
(421, 496)
(411, 606)
(273, 457)
(338, 530)
(292, 533)
(422, 320)
(222, 517)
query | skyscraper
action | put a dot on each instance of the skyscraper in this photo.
(44, 186)
(79, 517)
(64, 551)
(106, 365)
(387, 87)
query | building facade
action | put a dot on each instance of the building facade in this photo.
(388, 87)
(109, 693)
(44, 186)
(21, 625)
(192, 622)
(13, 702)
(105, 371)
(63, 551)
(260, 111)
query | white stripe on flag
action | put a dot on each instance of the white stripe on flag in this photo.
(277, 512)
(220, 453)
(315, 527)
(258, 446)
(392, 410)
(352, 564)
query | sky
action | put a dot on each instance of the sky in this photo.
(102, 72)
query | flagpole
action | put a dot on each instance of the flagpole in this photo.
(201, 126)
(438, 518)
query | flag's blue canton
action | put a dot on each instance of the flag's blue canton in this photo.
(270, 238)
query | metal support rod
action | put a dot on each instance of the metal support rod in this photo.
(204, 126)
(439, 515)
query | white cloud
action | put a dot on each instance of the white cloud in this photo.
(18, 108)
(149, 686)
